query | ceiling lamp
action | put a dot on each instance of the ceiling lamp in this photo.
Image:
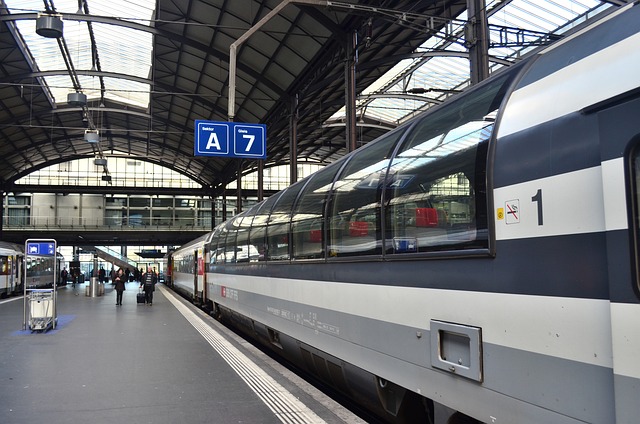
(77, 99)
(91, 136)
(49, 26)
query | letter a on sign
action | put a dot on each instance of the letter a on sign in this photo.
(213, 142)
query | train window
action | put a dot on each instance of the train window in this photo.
(230, 241)
(307, 227)
(214, 244)
(436, 183)
(4, 265)
(258, 232)
(278, 225)
(237, 247)
(244, 251)
(354, 220)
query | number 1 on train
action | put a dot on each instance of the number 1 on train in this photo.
(538, 199)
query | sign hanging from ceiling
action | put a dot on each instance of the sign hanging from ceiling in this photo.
(230, 139)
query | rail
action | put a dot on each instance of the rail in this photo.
(35, 223)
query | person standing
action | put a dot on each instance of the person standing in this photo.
(120, 288)
(148, 284)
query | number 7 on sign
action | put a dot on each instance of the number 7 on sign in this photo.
(251, 139)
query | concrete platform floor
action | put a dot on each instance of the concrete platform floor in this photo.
(166, 363)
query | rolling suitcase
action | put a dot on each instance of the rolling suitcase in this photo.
(140, 297)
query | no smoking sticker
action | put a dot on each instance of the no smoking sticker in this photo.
(512, 211)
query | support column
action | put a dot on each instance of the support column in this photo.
(293, 141)
(224, 205)
(2, 211)
(260, 180)
(477, 37)
(350, 91)
(213, 212)
(239, 188)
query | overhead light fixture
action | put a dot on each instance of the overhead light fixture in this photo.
(91, 136)
(49, 26)
(77, 99)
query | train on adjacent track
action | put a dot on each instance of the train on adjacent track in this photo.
(16, 268)
(11, 262)
(478, 262)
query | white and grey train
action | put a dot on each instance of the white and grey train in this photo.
(480, 261)
(11, 259)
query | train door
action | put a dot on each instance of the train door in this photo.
(11, 274)
(6, 276)
(168, 273)
(202, 267)
(17, 273)
(196, 269)
(620, 132)
(200, 275)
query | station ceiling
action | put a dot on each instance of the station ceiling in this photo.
(293, 67)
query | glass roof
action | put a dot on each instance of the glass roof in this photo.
(130, 58)
(440, 76)
(436, 75)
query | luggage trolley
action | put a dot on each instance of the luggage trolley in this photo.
(42, 315)
(40, 281)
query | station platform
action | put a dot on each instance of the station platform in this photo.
(166, 363)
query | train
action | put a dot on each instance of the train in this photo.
(11, 260)
(184, 269)
(16, 268)
(479, 263)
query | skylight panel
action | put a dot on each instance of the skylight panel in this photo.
(120, 50)
(449, 74)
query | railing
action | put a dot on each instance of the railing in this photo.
(104, 224)
(111, 254)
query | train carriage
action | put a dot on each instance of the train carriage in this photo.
(11, 257)
(186, 269)
(479, 261)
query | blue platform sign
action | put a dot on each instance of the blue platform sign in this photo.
(230, 139)
(41, 248)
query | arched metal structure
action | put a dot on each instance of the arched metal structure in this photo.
(300, 53)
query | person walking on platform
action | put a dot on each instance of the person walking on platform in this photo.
(119, 282)
(148, 284)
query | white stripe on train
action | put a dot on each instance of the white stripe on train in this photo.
(569, 328)
(576, 86)
(572, 203)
